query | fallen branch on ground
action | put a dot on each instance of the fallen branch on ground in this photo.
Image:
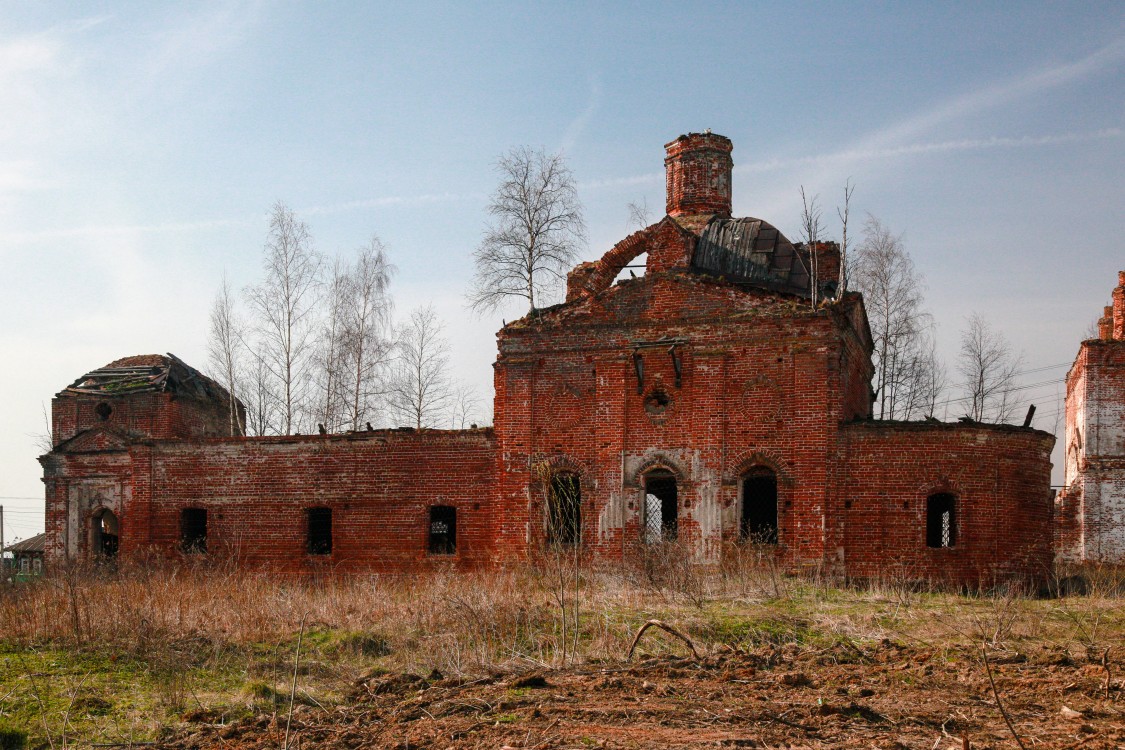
(666, 628)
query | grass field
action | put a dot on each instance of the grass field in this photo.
(209, 656)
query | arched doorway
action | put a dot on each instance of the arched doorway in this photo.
(759, 506)
(564, 510)
(103, 533)
(661, 516)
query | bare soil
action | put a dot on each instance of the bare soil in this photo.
(863, 695)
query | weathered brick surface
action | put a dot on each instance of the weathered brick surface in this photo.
(1091, 508)
(682, 372)
(379, 485)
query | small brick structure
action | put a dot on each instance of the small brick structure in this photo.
(1090, 510)
(721, 398)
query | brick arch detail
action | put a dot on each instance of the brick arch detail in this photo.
(659, 461)
(747, 460)
(562, 463)
(939, 486)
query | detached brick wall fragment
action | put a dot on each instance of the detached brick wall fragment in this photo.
(721, 397)
(1091, 507)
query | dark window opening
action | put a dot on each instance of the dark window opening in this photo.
(759, 506)
(193, 530)
(104, 542)
(941, 520)
(103, 410)
(443, 530)
(661, 510)
(564, 511)
(657, 402)
(320, 531)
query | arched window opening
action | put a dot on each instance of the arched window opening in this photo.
(104, 537)
(103, 410)
(941, 520)
(193, 530)
(661, 508)
(759, 506)
(564, 511)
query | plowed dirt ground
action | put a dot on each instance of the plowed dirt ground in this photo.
(876, 695)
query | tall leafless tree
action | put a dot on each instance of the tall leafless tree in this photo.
(329, 366)
(368, 346)
(884, 273)
(284, 305)
(420, 389)
(535, 234)
(257, 394)
(989, 367)
(810, 237)
(844, 214)
(225, 351)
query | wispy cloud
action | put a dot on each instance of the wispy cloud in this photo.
(914, 149)
(576, 127)
(861, 154)
(117, 230)
(389, 200)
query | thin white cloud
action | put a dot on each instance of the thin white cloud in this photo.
(860, 154)
(114, 230)
(578, 125)
(851, 155)
(195, 38)
(389, 200)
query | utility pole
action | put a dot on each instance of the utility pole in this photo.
(3, 563)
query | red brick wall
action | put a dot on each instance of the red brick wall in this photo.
(380, 487)
(1000, 476)
(698, 171)
(764, 380)
(155, 414)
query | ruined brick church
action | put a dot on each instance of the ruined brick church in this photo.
(722, 398)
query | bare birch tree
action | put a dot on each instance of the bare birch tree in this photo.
(420, 390)
(536, 231)
(844, 214)
(810, 237)
(258, 396)
(464, 406)
(330, 366)
(638, 214)
(368, 346)
(905, 374)
(225, 351)
(284, 305)
(989, 366)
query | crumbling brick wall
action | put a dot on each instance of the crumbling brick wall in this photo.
(998, 475)
(256, 492)
(1091, 506)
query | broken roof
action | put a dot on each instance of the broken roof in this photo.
(148, 372)
(752, 250)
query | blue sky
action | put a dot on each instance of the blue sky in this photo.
(142, 144)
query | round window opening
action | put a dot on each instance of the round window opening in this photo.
(103, 410)
(657, 402)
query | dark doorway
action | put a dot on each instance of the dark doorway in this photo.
(759, 506)
(104, 534)
(662, 507)
(564, 511)
(320, 531)
(193, 530)
(941, 520)
(443, 530)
